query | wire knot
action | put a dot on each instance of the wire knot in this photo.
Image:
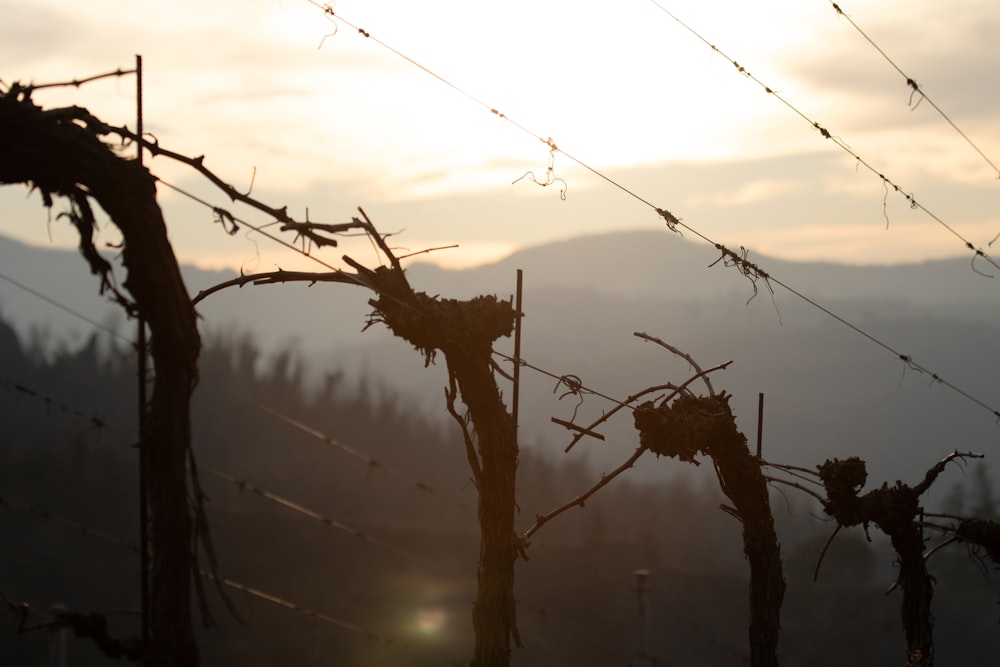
(671, 220)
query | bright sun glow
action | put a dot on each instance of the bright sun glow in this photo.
(331, 119)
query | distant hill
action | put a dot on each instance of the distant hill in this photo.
(661, 265)
(829, 390)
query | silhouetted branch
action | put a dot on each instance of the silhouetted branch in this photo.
(822, 554)
(76, 83)
(683, 355)
(790, 469)
(428, 250)
(312, 231)
(938, 547)
(281, 276)
(579, 501)
(198, 164)
(579, 429)
(786, 482)
(939, 467)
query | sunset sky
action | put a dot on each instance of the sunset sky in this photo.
(621, 87)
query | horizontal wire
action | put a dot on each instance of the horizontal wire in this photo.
(244, 485)
(65, 308)
(575, 388)
(255, 592)
(296, 607)
(905, 358)
(323, 437)
(69, 523)
(49, 401)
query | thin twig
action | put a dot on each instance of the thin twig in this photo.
(822, 554)
(429, 250)
(282, 276)
(933, 550)
(939, 467)
(787, 468)
(305, 228)
(683, 355)
(380, 240)
(76, 83)
(542, 519)
(778, 480)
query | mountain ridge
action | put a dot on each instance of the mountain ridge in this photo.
(830, 391)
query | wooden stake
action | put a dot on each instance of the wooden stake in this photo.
(517, 349)
(760, 421)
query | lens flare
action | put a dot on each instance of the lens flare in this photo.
(430, 621)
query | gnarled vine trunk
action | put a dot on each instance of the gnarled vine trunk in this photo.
(464, 331)
(59, 152)
(894, 509)
(705, 425)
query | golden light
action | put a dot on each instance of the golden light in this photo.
(430, 621)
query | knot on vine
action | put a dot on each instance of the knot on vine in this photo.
(891, 508)
(431, 324)
(690, 425)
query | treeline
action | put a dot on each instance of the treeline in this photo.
(393, 550)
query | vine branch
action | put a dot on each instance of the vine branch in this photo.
(579, 501)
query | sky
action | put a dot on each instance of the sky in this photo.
(279, 95)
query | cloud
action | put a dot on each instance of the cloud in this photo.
(752, 192)
(947, 49)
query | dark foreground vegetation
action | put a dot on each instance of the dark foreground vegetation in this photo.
(395, 562)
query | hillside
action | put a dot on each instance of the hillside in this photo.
(829, 391)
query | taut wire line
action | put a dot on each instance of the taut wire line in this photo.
(917, 88)
(978, 252)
